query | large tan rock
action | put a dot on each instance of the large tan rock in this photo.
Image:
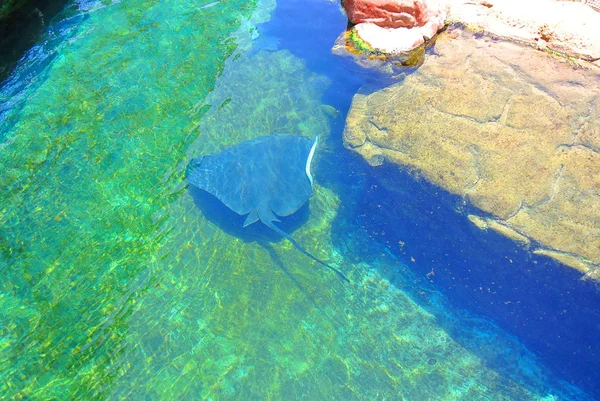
(514, 130)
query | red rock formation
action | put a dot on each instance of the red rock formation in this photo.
(387, 13)
(394, 26)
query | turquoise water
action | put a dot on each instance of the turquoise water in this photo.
(117, 282)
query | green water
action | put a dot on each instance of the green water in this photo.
(114, 285)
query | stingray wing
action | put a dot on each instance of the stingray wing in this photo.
(227, 177)
(267, 172)
(290, 185)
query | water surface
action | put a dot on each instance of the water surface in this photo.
(119, 282)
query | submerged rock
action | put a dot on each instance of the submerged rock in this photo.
(513, 131)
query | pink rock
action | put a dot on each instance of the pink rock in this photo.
(395, 26)
(388, 13)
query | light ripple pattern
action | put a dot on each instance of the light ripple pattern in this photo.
(115, 285)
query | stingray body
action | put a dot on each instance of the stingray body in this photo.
(262, 178)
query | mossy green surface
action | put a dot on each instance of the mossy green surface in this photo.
(359, 44)
(115, 285)
(374, 56)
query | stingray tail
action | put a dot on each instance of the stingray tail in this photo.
(289, 238)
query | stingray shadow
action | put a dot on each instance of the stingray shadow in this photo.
(233, 224)
(277, 260)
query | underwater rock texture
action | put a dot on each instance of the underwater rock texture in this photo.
(512, 130)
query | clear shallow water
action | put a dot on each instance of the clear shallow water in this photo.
(119, 282)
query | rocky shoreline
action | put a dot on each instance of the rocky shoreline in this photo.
(512, 130)
(397, 31)
(570, 28)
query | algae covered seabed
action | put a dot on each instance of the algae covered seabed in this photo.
(117, 282)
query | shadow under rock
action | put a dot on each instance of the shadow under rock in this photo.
(22, 28)
(547, 305)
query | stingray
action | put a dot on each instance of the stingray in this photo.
(262, 178)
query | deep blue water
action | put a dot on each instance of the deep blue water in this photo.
(545, 304)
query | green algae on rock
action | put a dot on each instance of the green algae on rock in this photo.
(513, 130)
(388, 36)
(350, 45)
